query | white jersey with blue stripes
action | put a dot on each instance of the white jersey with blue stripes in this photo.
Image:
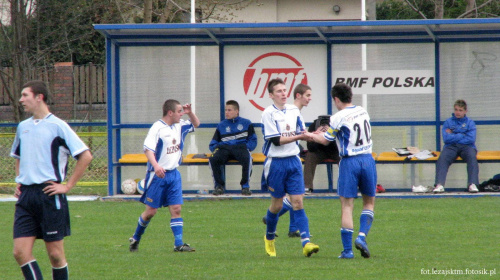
(286, 122)
(351, 127)
(43, 147)
(166, 142)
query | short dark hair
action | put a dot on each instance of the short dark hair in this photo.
(38, 87)
(461, 103)
(170, 105)
(233, 103)
(300, 89)
(342, 92)
(273, 83)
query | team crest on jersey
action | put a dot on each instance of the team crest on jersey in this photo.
(228, 129)
(287, 127)
(240, 127)
(174, 141)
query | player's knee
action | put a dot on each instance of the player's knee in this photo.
(19, 255)
(149, 214)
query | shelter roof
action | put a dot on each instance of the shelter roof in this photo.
(312, 32)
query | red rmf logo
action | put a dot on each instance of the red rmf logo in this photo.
(258, 75)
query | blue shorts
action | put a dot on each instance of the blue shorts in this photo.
(40, 215)
(162, 192)
(283, 175)
(357, 171)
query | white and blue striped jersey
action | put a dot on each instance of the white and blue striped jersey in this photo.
(351, 127)
(166, 142)
(43, 147)
(286, 122)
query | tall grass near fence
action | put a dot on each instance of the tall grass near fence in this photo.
(410, 239)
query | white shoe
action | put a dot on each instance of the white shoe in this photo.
(419, 189)
(438, 189)
(473, 188)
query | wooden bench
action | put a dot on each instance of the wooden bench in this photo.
(195, 159)
(393, 157)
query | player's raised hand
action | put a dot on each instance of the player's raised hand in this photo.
(186, 108)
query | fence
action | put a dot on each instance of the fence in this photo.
(76, 92)
(96, 140)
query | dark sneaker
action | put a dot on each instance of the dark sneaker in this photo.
(264, 220)
(218, 191)
(184, 248)
(294, 233)
(246, 191)
(362, 247)
(134, 245)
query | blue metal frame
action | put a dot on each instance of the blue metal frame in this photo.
(282, 33)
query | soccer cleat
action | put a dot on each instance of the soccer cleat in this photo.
(218, 191)
(346, 255)
(269, 244)
(134, 244)
(309, 249)
(246, 191)
(184, 248)
(380, 189)
(264, 220)
(362, 247)
(419, 189)
(292, 234)
(438, 189)
(473, 188)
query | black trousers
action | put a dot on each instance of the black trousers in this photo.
(222, 155)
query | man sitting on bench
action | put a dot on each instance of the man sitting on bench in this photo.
(234, 138)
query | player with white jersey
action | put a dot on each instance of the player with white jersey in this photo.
(351, 127)
(283, 127)
(163, 186)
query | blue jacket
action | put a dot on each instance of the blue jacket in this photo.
(234, 132)
(463, 131)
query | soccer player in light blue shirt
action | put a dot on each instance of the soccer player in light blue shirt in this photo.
(41, 148)
(351, 127)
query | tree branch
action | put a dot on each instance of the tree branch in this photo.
(415, 9)
(474, 10)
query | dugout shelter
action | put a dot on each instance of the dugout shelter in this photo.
(406, 73)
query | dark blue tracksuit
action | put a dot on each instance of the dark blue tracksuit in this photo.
(461, 142)
(233, 139)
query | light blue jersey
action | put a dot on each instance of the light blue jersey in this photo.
(43, 147)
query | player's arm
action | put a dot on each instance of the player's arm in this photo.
(17, 192)
(317, 137)
(159, 171)
(192, 117)
(282, 140)
(83, 161)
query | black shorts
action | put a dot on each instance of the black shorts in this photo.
(37, 214)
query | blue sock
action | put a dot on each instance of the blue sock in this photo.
(31, 270)
(302, 223)
(346, 235)
(60, 273)
(176, 225)
(287, 206)
(272, 222)
(293, 224)
(141, 227)
(365, 222)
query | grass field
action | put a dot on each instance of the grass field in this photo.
(409, 237)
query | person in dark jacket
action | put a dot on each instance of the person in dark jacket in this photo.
(459, 137)
(234, 138)
(317, 153)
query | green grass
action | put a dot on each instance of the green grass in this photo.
(408, 235)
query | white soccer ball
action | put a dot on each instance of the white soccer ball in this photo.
(141, 186)
(129, 186)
